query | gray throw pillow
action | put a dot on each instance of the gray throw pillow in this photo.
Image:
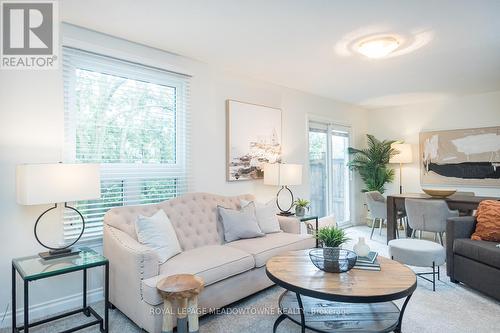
(239, 224)
(266, 215)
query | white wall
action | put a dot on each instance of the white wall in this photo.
(296, 106)
(405, 123)
(31, 131)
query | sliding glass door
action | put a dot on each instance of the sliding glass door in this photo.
(328, 171)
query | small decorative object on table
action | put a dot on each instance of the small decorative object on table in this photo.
(361, 248)
(300, 207)
(368, 262)
(439, 193)
(370, 258)
(331, 258)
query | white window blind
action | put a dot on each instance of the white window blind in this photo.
(134, 121)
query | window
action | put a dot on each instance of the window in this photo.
(133, 120)
(328, 171)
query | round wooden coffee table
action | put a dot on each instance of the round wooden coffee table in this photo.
(355, 301)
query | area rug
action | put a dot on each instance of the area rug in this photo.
(452, 308)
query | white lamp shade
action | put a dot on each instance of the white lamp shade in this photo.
(54, 183)
(404, 154)
(279, 174)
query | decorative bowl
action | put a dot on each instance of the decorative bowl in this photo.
(438, 193)
(333, 259)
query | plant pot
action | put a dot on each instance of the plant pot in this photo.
(331, 255)
(300, 211)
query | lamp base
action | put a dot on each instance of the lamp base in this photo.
(282, 211)
(56, 254)
(285, 214)
(66, 251)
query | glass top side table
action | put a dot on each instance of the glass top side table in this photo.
(34, 268)
(307, 218)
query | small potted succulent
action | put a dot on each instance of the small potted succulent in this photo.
(300, 206)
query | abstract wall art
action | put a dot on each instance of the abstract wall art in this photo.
(253, 139)
(465, 157)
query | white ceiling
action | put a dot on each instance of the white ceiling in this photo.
(298, 43)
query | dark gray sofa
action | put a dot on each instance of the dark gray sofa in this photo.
(475, 263)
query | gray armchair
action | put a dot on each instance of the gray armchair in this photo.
(428, 215)
(473, 262)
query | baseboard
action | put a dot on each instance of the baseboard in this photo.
(44, 309)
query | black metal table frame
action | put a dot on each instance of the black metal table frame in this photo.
(303, 325)
(310, 218)
(347, 299)
(85, 309)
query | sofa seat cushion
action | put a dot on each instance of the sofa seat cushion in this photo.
(212, 262)
(478, 250)
(263, 248)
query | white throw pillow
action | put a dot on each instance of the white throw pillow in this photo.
(266, 216)
(239, 224)
(157, 232)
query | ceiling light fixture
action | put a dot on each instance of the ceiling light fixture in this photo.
(378, 47)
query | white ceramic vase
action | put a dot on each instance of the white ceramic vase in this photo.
(361, 248)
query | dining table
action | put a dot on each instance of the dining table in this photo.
(465, 204)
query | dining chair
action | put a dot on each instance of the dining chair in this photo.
(428, 215)
(466, 194)
(377, 206)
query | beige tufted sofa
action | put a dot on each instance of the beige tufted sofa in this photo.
(231, 270)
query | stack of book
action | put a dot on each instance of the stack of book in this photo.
(368, 262)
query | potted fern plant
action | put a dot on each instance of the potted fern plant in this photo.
(331, 239)
(372, 163)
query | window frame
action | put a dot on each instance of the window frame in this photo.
(178, 170)
(328, 126)
(180, 96)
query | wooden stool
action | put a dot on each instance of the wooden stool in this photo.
(182, 290)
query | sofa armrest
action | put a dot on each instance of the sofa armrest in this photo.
(129, 263)
(289, 224)
(457, 227)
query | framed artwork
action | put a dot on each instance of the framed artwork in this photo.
(253, 139)
(465, 157)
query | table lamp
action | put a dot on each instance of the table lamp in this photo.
(403, 156)
(39, 184)
(284, 175)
